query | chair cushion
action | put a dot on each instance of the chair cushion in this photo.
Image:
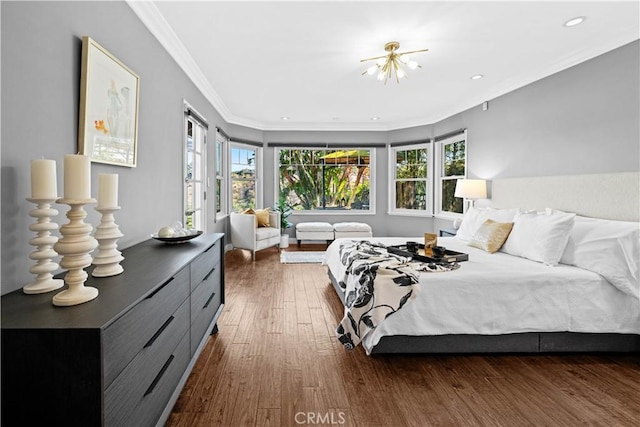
(314, 226)
(351, 226)
(263, 233)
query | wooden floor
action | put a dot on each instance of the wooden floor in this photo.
(276, 361)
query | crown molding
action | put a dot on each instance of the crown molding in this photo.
(161, 30)
(153, 19)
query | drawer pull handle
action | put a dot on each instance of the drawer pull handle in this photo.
(209, 274)
(159, 288)
(156, 380)
(157, 334)
(208, 301)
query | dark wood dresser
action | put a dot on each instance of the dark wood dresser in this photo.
(123, 358)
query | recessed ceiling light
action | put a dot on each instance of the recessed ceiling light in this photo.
(575, 21)
(477, 76)
(284, 118)
(375, 118)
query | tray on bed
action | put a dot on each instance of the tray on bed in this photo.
(426, 255)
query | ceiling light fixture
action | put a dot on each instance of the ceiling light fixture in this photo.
(284, 118)
(477, 77)
(575, 21)
(392, 63)
(375, 118)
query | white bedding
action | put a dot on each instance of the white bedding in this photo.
(493, 294)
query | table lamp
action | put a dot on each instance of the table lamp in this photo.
(471, 189)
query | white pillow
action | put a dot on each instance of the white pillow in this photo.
(475, 217)
(609, 248)
(539, 237)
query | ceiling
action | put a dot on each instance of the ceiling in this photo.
(260, 61)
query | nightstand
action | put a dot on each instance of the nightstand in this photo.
(448, 232)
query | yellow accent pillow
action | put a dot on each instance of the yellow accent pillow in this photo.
(263, 217)
(491, 235)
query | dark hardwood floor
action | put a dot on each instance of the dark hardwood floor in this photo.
(276, 361)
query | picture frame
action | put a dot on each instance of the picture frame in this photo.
(109, 98)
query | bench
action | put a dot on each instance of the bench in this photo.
(351, 229)
(328, 232)
(314, 231)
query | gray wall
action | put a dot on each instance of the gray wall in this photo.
(581, 120)
(41, 49)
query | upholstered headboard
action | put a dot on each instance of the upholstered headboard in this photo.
(609, 196)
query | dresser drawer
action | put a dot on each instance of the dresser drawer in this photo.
(201, 266)
(123, 339)
(204, 309)
(201, 297)
(123, 397)
(158, 393)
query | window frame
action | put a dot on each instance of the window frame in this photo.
(372, 178)
(392, 156)
(221, 177)
(258, 173)
(199, 132)
(439, 170)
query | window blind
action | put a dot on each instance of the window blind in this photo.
(414, 142)
(325, 145)
(223, 133)
(449, 135)
(246, 142)
(197, 117)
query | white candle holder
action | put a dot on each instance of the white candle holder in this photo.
(107, 259)
(44, 242)
(75, 246)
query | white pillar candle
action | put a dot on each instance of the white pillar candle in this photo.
(77, 177)
(44, 183)
(107, 190)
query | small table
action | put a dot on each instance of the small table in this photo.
(448, 232)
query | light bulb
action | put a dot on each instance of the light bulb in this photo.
(381, 76)
(404, 58)
(371, 70)
(400, 73)
(412, 65)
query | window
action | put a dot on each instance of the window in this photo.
(194, 172)
(221, 167)
(453, 166)
(244, 173)
(410, 172)
(326, 179)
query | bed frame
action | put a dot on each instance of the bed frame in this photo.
(609, 196)
(528, 342)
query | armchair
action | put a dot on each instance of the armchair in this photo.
(245, 233)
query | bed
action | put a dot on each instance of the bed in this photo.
(499, 302)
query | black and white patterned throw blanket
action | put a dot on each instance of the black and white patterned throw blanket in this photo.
(376, 284)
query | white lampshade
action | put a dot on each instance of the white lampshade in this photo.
(471, 188)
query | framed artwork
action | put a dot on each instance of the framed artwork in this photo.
(109, 91)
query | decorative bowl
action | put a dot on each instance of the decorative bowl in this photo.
(192, 234)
